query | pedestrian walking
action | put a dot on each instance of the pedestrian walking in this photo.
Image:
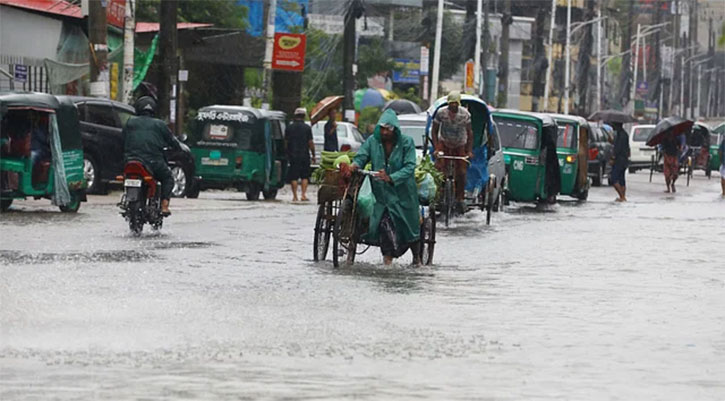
(331, 144)
(300, 149)
(620, 161)
(671, 150)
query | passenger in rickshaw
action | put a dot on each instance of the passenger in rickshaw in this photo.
(552, 182)
(452, 135)
(39, 141)
(395, 221)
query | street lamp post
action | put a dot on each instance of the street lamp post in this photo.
(699, 79)
(642, 32)
(683, 112)
(570, 29)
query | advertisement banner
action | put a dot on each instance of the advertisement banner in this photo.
(289, 51)
(406, 71)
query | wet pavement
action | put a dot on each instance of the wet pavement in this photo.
(594, 300)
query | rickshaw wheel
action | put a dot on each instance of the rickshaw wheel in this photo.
(448, 202)
(428, 238)
(5, 204)
(322, 232)
(270, 195)
(74, 204)
(489, 208)
(253, 191)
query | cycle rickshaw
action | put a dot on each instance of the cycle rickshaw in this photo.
(338, 219)
(485, 178)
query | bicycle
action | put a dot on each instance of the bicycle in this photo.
(449, 196)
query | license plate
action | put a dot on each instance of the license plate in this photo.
(214, 162)
(132, 183)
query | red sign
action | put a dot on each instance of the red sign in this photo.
(289, 51)
(116, 13)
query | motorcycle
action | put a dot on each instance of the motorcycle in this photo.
(141, 200)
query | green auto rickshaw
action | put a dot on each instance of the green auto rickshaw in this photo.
(572, 147)
(716, 137)
(41, 154)
(239, 147)
(529, 147)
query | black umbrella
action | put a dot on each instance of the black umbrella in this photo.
(402, 106)
(612, 116)
(669, 127)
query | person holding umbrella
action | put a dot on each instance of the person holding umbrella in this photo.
(331, 144)
(671, 150)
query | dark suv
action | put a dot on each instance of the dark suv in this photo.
(102, 122)
(600, 151)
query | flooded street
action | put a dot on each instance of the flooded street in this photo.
(592, 301)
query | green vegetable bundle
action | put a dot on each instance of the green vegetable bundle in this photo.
(327, 162)
(426, 166)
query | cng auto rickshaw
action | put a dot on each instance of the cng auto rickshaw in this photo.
(486, 172)
(240, 147)
(529, 147)
(572, 147)
(716, 137)
(41, 154)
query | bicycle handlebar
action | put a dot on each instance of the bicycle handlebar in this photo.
(444, 157)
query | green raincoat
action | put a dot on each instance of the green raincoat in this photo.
(400, 197)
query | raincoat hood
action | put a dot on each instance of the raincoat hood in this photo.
(388, 117)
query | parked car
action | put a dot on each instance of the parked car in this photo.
(600, 152)
(414, 125)
(101, 123)
(348, 137)
(640, 153)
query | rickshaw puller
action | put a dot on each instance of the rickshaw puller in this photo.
(145, 140)
(452, 135)
(396, 210)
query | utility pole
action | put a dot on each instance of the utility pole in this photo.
(129, 31)
(599, 57)
(97, 28)
(167, 51)
(348, 57)
(437, 54)
(635, 61)
(483, 89)
(584, 62)
(624, 80)
(540, 63)
(567, 58)
(268, 50)
(503, 64)
(551, 56)
(477, 50)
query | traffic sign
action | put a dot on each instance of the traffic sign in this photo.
(21, 73)
(469, 83)
(289, 51)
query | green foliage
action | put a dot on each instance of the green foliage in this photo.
(368, 115)
(372, 59)
(323, 67)
(615, 66)
(221, 13)
(411, 94)
(721, 41)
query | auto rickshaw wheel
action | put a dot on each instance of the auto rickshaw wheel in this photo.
(271, 194)
(489, 207)
(192, 192)
(5, 204)
(74, 205)
(253, 191)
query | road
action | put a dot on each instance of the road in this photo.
(594, 301)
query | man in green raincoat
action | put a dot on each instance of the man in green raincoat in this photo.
(395, 221)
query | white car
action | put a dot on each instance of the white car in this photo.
(413, 125)
(640, 153)
(348, 137)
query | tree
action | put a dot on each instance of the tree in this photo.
(372, 59)
(221, 13)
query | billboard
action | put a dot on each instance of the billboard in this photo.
(406, 71)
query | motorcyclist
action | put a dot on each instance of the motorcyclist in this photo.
(145, 140)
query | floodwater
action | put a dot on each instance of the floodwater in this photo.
(580, 301)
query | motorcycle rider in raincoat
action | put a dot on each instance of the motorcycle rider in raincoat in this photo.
(395, 221)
